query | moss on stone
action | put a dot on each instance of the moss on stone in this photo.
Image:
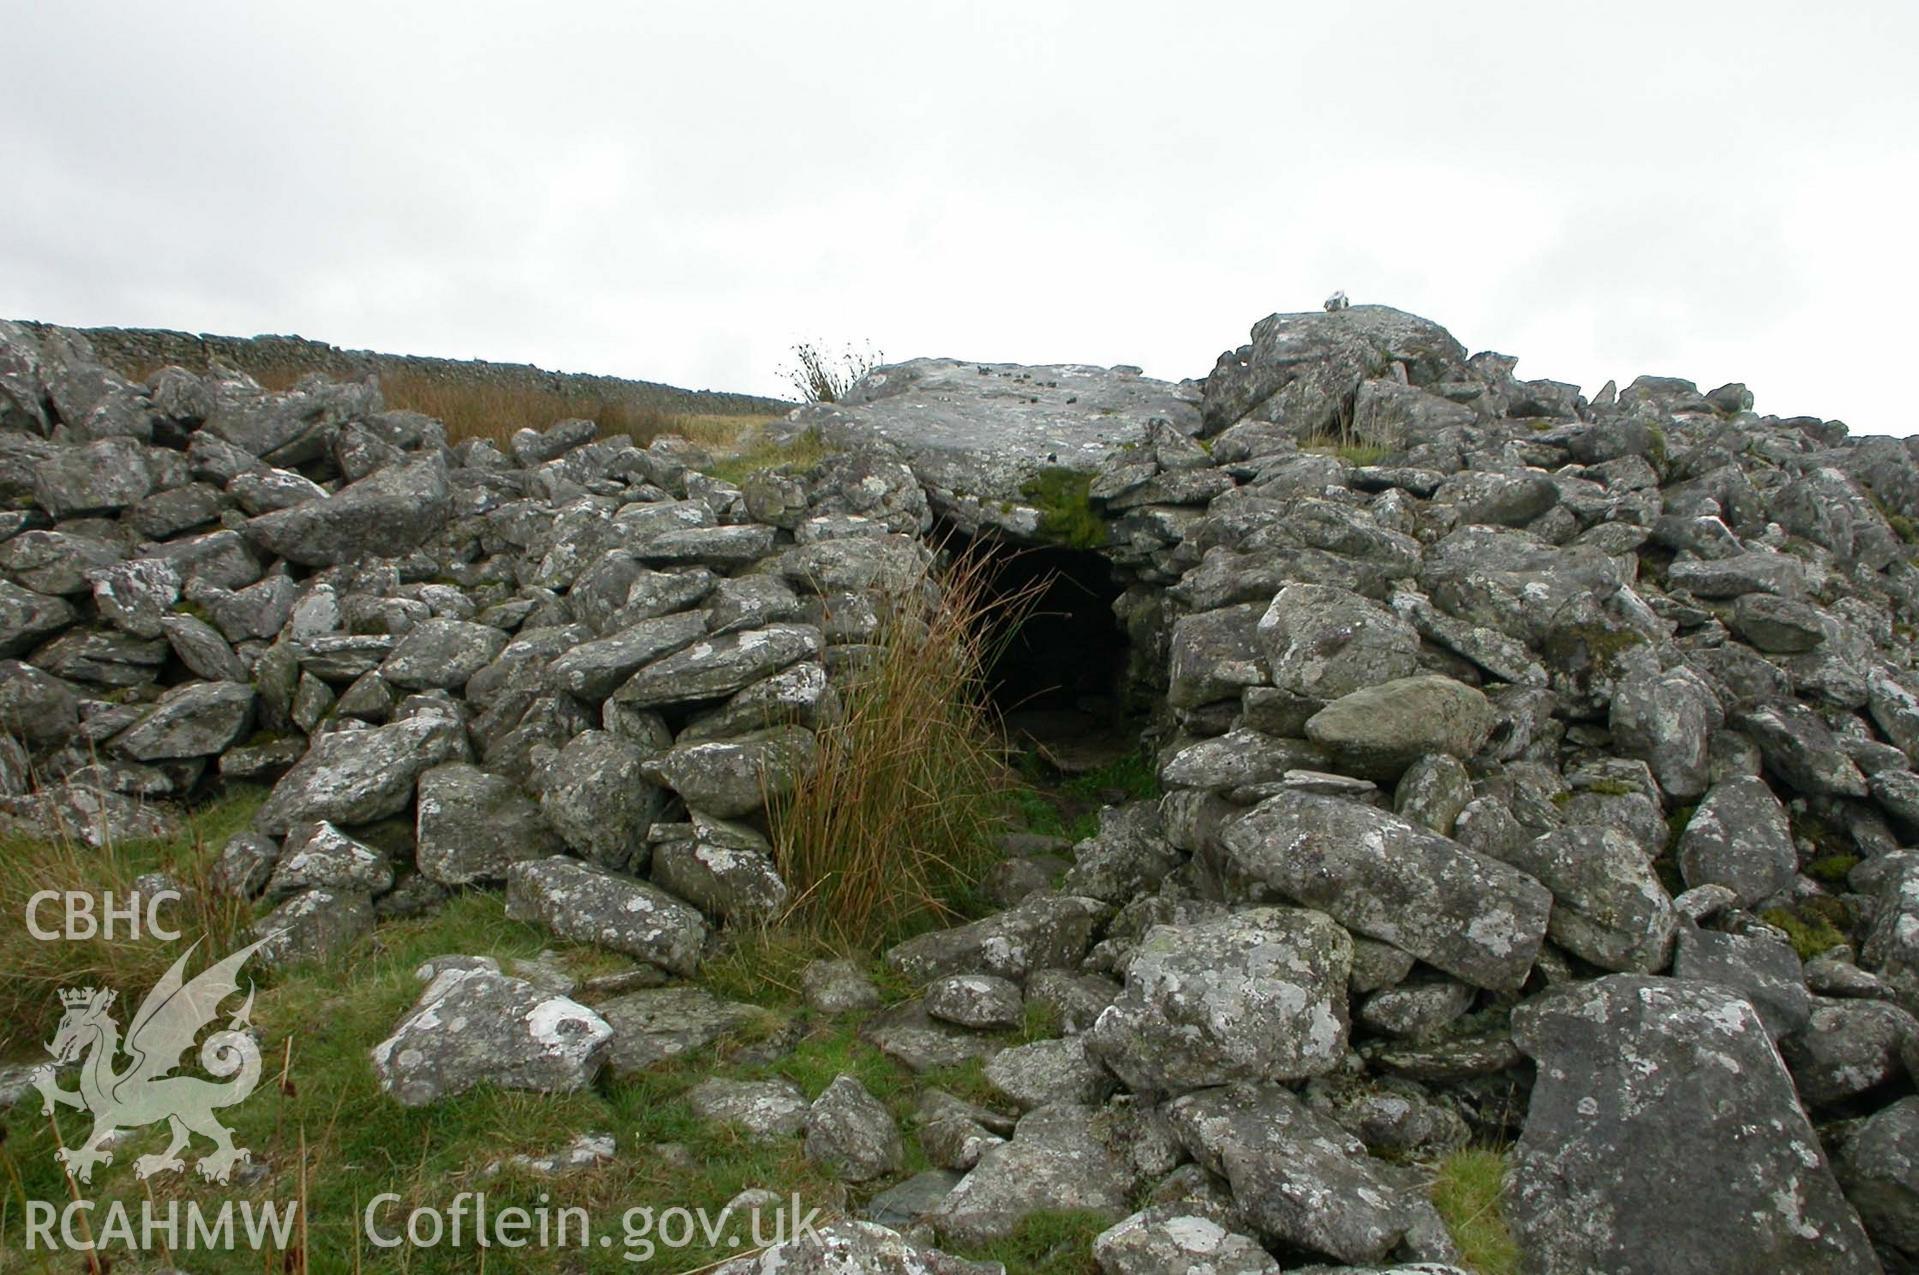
(1611, 788)
(1832, 869)
(1602, 646)
(1657, 453)
(1811, 926)
(1065, 503)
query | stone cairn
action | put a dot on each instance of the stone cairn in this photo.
(1536, 771)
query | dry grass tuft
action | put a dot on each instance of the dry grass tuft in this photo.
(496, 412)
(896, 819)
(824, 375)
(38, 968)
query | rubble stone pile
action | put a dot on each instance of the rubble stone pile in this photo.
(1536, 770)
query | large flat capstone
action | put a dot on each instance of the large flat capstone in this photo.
(997, 444)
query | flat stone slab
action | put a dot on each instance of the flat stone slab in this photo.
(978, 433)
(651, 1027)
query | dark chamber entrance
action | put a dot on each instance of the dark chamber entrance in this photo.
(1060, 655)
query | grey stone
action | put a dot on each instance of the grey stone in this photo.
(1608, 905)
(314, 925)
(135, 595)
(1510, 498)
(1046, 1072)
(1394, 1118)
(1879, 1166)
(1738, 837)
(1758, 966)
(36, 707)
(1432, 792)
(86, 813)
(1257, 995)
(838, 987)
(196, 719)
(1212, 655)
(1304, 369)
(385, 514)
(658, 1025)
(360, 777)
(473, 1026)
(1891, 948)
(202, 649)
(1379, 731)
(262, 491)
(735, 777)
(1894, 707)
(102, 477)
(718, 667)
(763, 1110)
(442, 653)
(1175, 1239)
(1471, 916)
(28, 618)
(1416, 1010)
(1800, 749)
(1238, 759)
(730, 884)
(1666, 721)
(1298, 1178)
(600, 799)
(218, 559)
(921, 1043)
(472, 826)
(981, 1001)
(1847, 1050)
(851, 1134)
(849, 1247)
(1663, 1121)
(719, 547)
(56, 562)
(1776, 625)
(1324, 642)
(593, 670)
(1042, 932)
(587, 904)
(902, 1205)
(319, 854)
(1757, 571)
(1059, 1158)
(983, 438)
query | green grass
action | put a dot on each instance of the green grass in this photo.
(358, 1142)
(1070, 808)
(1466, 1191)
(805, 451)
(1050, 1243)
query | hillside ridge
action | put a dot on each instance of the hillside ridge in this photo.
(135, 352)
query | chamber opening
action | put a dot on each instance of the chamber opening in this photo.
(1059, 654)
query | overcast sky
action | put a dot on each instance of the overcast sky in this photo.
(678, 192)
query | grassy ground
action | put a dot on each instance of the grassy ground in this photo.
(326, 1135)
(1466, 1186)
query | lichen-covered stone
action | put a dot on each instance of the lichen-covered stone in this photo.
(1663, 1121)
(1472, 916)
(1257, 995)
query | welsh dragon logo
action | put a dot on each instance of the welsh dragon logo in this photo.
(142, 1092)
